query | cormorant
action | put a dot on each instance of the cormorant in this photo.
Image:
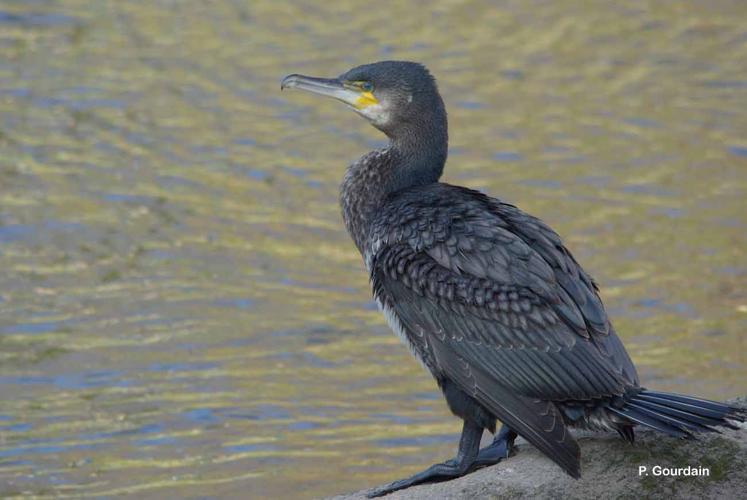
(486, 296)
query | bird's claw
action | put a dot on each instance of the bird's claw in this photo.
(380, 491)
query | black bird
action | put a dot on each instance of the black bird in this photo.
(486, 296)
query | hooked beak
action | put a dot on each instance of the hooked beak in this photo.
(330, 87)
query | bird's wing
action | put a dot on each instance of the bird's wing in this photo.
(500, 292)
(538, 421)
(512, 371)
(575, 283)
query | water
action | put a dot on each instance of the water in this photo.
(181, 312)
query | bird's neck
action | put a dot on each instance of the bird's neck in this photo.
(411, 160)
(420, 156)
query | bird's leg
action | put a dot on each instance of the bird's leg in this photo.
(500, 448)
(469, 444)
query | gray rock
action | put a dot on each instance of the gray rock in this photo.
(609, 468)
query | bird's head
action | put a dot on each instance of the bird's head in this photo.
(395, 96)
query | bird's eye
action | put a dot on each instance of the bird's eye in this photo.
(366, 86)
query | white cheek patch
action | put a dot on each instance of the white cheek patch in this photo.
(377, 113)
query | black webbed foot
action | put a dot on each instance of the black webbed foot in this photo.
(450, 469)
(500, 448)
(469, 445)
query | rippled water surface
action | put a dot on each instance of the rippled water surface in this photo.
(181, 312)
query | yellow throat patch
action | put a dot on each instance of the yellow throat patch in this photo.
(365, 99)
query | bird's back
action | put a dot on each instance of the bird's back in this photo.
(501, 287)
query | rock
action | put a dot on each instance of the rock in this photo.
(609, 468)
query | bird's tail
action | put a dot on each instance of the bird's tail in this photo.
(678, 415)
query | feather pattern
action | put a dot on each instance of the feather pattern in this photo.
(497, 300)
(488, 298)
